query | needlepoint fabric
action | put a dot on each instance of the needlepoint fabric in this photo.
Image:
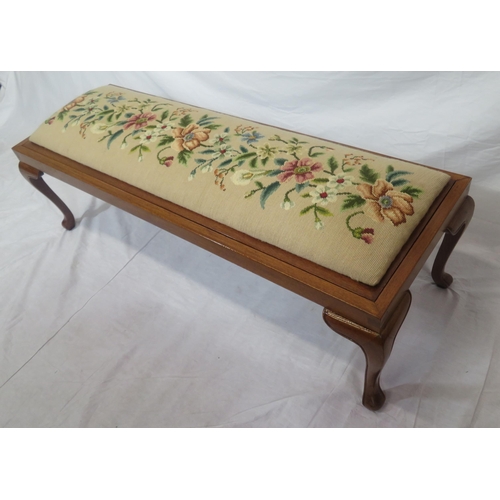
(343, 208)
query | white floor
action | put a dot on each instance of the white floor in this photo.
(119, 324)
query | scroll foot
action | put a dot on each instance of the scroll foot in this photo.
(34, 177)
(377, 346)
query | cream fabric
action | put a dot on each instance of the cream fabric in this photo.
(343, 208)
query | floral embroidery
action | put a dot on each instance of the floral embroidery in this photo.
(139, 121)
(384, 202)
(267, 165)
(301, 169)
(189, 138)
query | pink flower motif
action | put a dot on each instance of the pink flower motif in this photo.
(168, 161)
(367, 235)
(140, 120)
(301, 169)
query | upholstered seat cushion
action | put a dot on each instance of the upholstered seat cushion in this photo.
(343, 208)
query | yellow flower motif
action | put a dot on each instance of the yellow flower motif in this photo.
(294, 148)
(266, 151)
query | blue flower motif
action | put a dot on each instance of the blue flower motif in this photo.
(116, 99)
(250, 137)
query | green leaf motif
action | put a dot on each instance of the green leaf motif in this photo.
(366, 174)
(307, 209)
(243, 149)
(114, 136)
(397, 173)
(332, 164)
(207, 151)
(352, 201)
(245, 156)
(399, 182)
(323, 211)
(185, 121)
(183, 157)
(166, 140)
(259, 184)
(389, 169)
(280, 161)
(268, 191)
(164, 115)
(205, 120)
(316, 153)
(412, 191)
(273, 173)
(225, 163)
(322, 180)
(253, 162)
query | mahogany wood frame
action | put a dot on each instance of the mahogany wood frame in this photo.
(370, 316)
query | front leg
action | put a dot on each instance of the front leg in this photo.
(377, 346)
(453, 233)
(34, 177)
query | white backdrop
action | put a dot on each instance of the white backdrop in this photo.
(119, 324)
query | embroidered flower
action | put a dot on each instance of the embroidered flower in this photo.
(242, 177)
(250, 137)
(181, 111)
(140, 120)
(340, 181)
(240, 129)
(167, 161)
(220, 139)
(99, 128)
(323, 195)
(294, 149)
(367, 235)
(162, 127)
(91, 108)
(189, 138)
(301, 169)
(350, 159)
(266, 151)
(384, 202)
(149, 136)
(115, 97)
(287, 204)
(364, 233)
(223, 151)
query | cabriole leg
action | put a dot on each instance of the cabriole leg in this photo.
(34, 177)
(453, 233)
(376, 346)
